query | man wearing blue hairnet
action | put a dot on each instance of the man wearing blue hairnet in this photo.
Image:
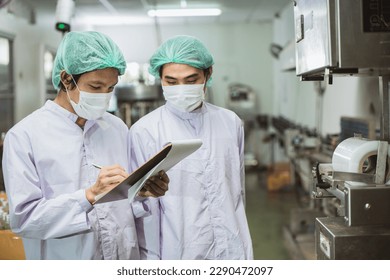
(49, 159)
(202, 216)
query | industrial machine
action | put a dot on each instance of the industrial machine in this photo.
(136, 100)
(242, 100)
(136, 94)
(350, 37)
(303, 147)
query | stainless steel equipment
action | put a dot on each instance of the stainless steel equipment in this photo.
(350, 37)
(362, 228)
(136, 100)
(341, 37)
(336, 241)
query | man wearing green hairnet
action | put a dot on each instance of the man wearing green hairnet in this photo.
(202, 216)
(51, 157)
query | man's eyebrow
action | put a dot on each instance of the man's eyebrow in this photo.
(98, 82)
(195, 75)
(169, 77)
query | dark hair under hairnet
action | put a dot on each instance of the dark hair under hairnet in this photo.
(81, 52)
(181, 49)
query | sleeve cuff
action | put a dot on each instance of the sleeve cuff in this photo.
(83, 201)
(141, 207)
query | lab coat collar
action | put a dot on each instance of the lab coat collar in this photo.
(187, 115)
(52, 106)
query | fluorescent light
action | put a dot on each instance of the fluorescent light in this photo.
(184, 12)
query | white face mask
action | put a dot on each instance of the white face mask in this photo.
(185, 98)
(91, 106)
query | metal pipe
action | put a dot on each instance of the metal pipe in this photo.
(384, 98)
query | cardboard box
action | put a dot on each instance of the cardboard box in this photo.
(279, 176)
(11, 246)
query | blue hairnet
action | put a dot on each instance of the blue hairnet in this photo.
(81, 52)
(181, 49)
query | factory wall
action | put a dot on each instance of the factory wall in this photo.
(29, 43)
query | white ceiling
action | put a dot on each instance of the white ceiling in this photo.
(233, 11)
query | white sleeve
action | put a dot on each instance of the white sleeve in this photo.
(32, 215)
(241, 143)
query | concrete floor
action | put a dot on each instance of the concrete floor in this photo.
(267, 214)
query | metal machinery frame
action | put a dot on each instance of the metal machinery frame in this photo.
(328, 44)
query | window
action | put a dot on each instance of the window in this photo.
(48, 61)
(6, 83)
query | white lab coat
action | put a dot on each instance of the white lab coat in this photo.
(47, 167)
(202, 216)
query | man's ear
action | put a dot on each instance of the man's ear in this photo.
(66, 79)
(210, 72)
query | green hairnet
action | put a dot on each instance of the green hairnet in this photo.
(181, 49)
(81, 52)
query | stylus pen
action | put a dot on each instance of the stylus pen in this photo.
(97, 166)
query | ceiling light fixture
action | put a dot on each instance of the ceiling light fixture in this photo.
(184, 12)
